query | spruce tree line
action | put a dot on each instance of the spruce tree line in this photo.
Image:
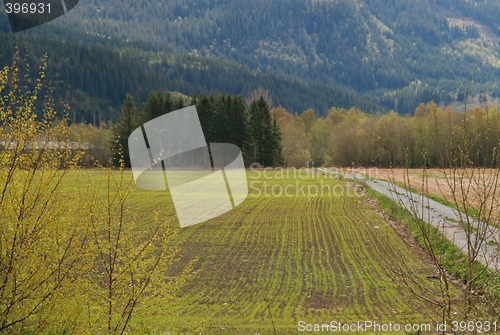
(224, 119)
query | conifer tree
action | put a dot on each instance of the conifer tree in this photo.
(155, 106)
(260, 126)
(222, 109)
(126, 124)
(168, 104)
(179, 103)
(239, 121)
(206, 111)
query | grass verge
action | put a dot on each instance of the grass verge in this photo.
(453, 259)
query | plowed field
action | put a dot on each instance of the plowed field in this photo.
(278, 259)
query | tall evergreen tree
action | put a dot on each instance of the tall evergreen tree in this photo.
(220, 126)
(206, 110)
(261, 129)
(238, 124)
(168, 104)
(178, 103)
(128, 121)
(155, 106)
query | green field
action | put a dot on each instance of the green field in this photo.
(301, 250)
(277, 260)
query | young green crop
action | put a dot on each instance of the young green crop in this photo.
(278, 259)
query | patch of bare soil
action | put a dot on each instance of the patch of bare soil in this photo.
(474, 187)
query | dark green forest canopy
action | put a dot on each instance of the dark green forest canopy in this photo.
(402, 52)
(94, 78)
(308, 54)
(223, 118)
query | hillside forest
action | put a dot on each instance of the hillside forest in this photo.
(370, 54)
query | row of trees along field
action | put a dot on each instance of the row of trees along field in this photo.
(351, 137)
(342, 138)
(224, 119)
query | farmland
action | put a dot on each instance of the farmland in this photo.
(278, 259)
(301, 248)
(444, 185)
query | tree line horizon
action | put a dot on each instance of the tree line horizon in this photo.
(224, 119)
(345, 137)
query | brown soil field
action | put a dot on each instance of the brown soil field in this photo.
(475, 187)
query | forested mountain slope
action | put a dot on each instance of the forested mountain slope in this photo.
(403, 52)
(400, 53)
(93, 75)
